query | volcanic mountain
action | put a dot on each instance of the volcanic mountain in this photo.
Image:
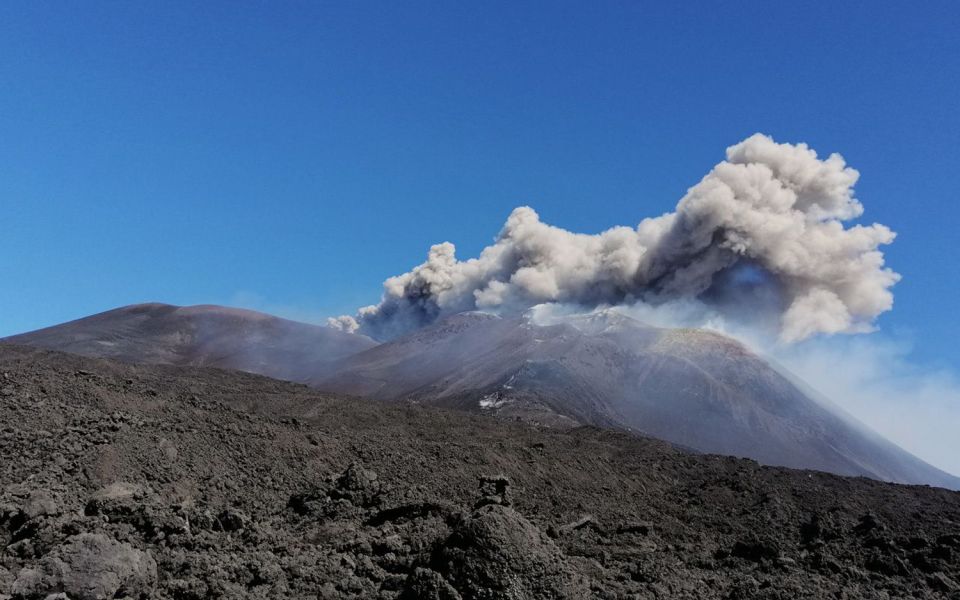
(693, 388)
(204, 336)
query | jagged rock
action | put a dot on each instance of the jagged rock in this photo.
(584, 521)
(120, 497)
(638, 528)
(124, 502)
(922, 561)
(942, 552)
(6, 580)
(40, 503)
(90, 567)
(915, 543)
(309, 504)
(188, 588)
(887, 565)
(357, 485)
(813, 531)
(942, 583)
(425, 584)
(950, 539)
(755, 550)
(868, 523)
(495, 552)
(232, 519)
(494, 489)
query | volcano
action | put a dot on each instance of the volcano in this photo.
(693, 388)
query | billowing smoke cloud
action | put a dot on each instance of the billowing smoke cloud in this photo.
(762, 234)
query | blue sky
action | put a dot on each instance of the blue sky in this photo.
(290, 156)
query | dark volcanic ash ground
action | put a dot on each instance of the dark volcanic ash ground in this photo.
(173, 482)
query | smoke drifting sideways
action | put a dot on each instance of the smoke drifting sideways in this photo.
(761, 238)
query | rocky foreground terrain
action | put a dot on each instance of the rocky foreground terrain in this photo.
(126, 481)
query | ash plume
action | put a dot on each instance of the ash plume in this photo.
(762, 235)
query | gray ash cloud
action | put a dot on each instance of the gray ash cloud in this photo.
(765, 231)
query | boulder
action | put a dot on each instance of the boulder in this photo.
(424, 584)
(495, 552)
(40, 503)
(90, 567)
(358, 485)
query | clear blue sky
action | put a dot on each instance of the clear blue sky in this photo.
(290, 156)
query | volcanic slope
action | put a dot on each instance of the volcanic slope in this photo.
(204, 335)
(691, 387)
(168, 482)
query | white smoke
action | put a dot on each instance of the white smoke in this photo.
(914, 405)
(760, 237)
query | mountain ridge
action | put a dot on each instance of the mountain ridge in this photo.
(200, 335)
